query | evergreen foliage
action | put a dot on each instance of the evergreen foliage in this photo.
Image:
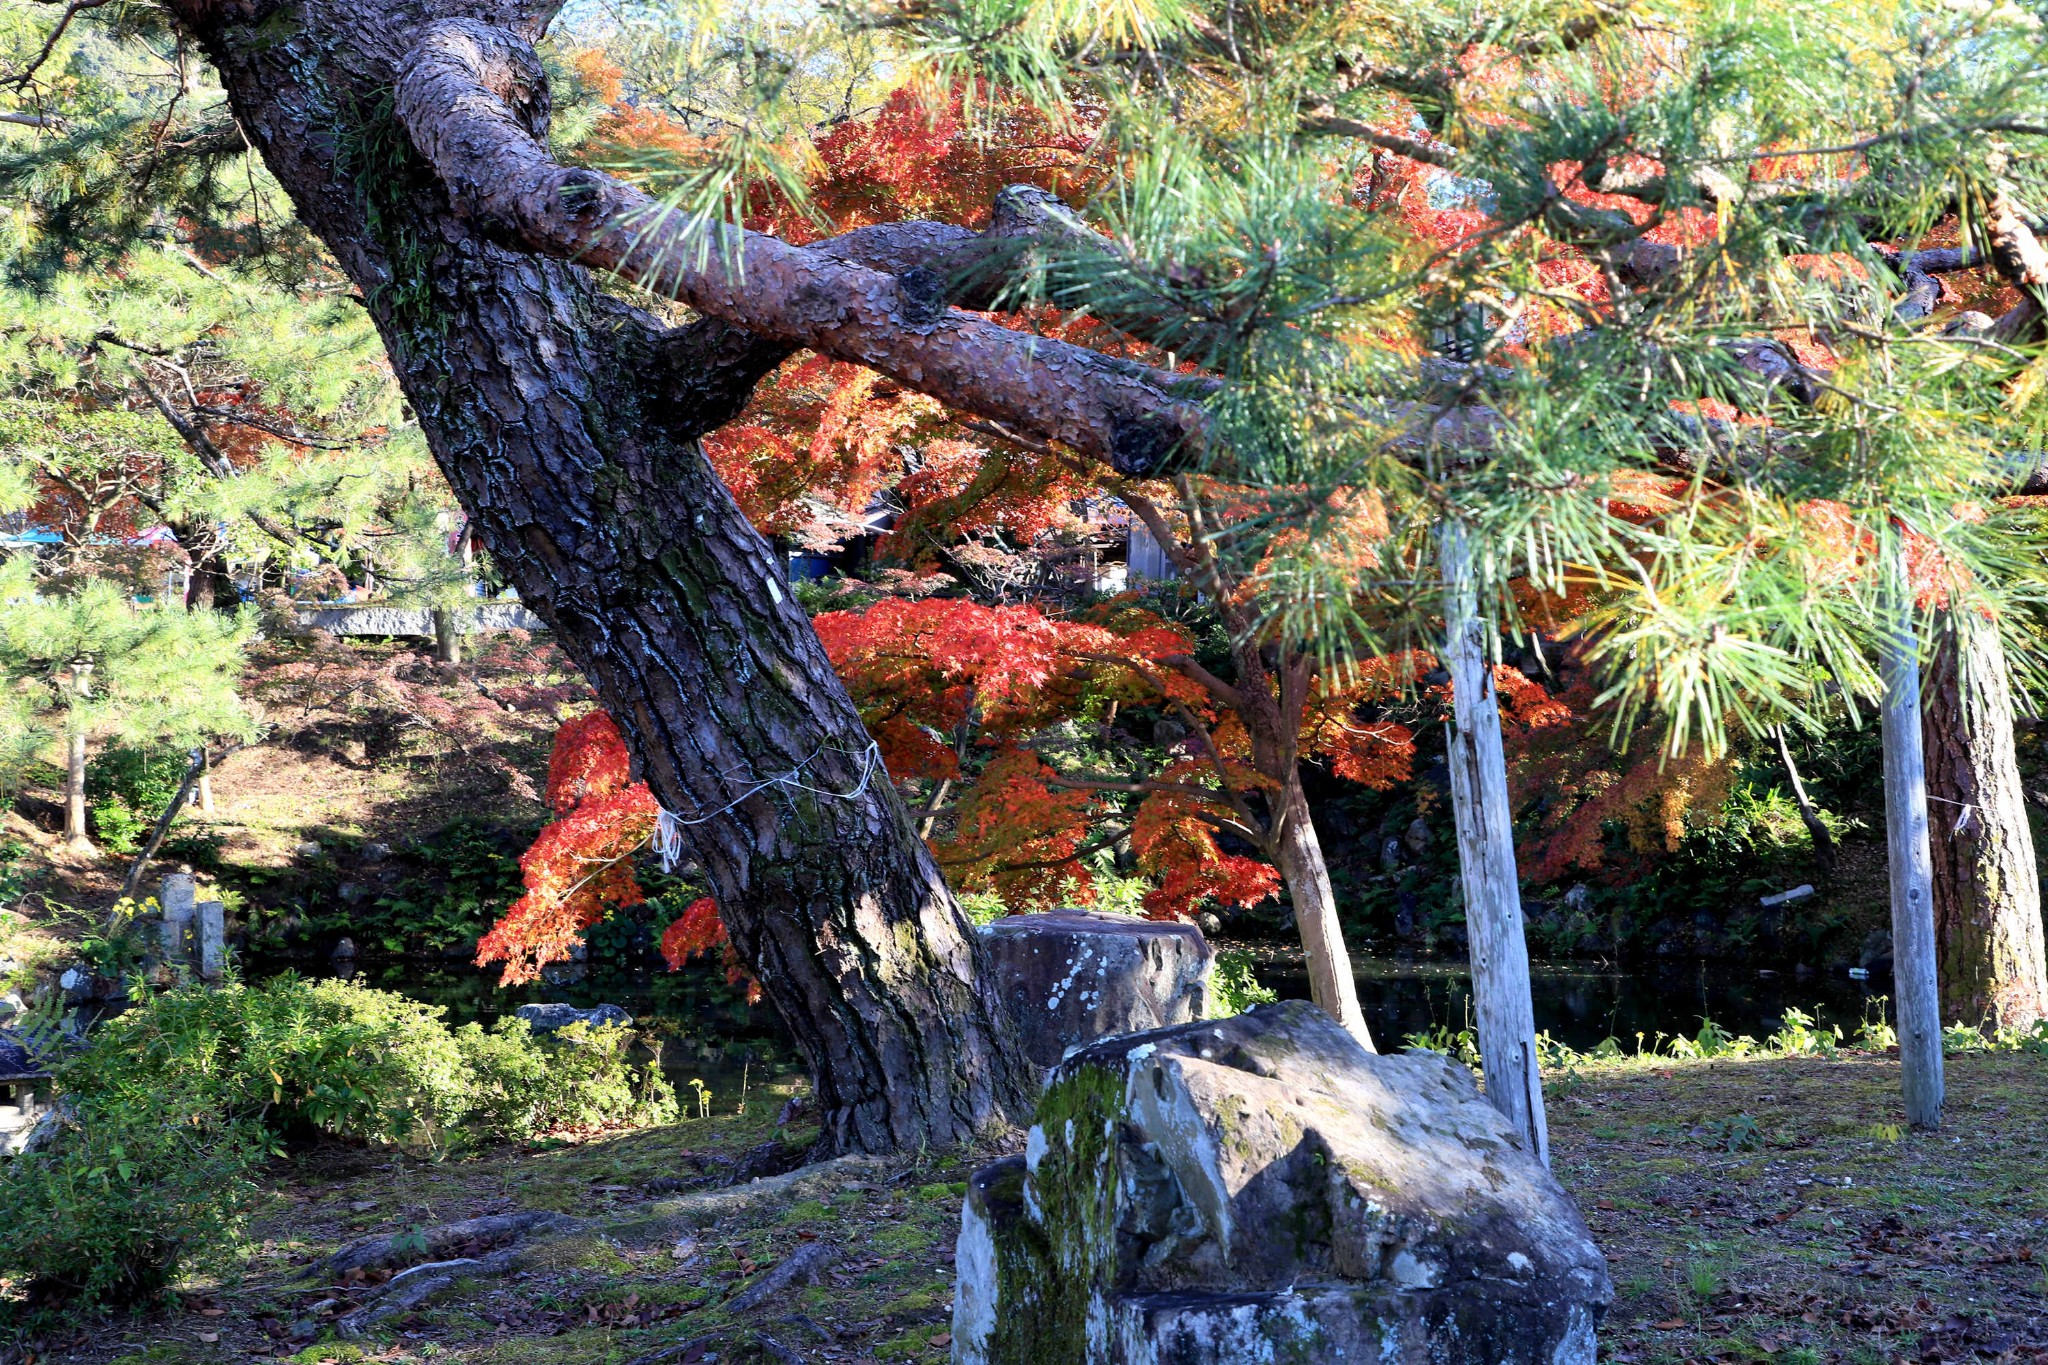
(1519, 264)
(90, 661)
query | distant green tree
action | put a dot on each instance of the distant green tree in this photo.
(87, 660)
(177, 355)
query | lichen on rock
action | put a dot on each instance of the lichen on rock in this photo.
(1261, 1189)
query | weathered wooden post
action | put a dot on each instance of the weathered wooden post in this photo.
(1486, 855)
(213, 940)
(177, 896)
(1914, 990)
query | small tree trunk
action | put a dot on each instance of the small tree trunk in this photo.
(447, 639)
(1987, 890)
(1300, 857)
(1912, 875)
(74, 792)
(1823, 842)
(1486, 856)
(204, 792)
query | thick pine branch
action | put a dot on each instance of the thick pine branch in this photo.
(474, 97)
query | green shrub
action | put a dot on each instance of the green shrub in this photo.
(329, 1056)
(363, 1064)
(129, 785)
(178, 1099)
(124, 1199)
(1234, 985)
(582, 1078)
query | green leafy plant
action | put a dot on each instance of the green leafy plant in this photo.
(126, 1197)
(1875, 1033)
(470, 875)
(1803, 1035)
(1711, 1041)
(983, 907)
(1737, 1134)
(1460, 1045)
(1234, 985)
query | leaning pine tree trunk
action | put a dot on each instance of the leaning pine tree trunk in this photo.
(1987, 890)
(1486, 856)
(1912, 875)
(567, 424)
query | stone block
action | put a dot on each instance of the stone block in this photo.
(1071, 978)
(178, 897)
(212, 940)
(1261, 1189)
(401, 622)
(557, 1015)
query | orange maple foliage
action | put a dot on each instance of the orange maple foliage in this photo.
(939, 679)
(581, 864)
(821, 439)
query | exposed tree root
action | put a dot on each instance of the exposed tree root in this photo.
(375, 1253)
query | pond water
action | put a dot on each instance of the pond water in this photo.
(1583, 1003)
(707, 1028)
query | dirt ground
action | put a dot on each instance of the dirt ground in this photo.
(1830, 1235)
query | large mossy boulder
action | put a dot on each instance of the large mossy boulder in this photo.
(1263, 1190)
(1071, 977)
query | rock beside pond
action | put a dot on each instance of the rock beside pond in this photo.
(1072, 977)
(550, 1017)
(1261, 1189)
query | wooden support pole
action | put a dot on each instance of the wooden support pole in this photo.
(1486, 856)
(1915, 992)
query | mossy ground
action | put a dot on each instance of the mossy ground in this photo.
(1840, 1239)
(1835, 1235)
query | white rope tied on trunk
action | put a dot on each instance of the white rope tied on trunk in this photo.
(668, 826)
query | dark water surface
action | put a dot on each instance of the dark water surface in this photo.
(1583, 1003)
(1578, 1003)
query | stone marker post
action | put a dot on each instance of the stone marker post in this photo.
(212, 948)
(176, 896)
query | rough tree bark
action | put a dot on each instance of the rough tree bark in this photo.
(566, 423)
(1486, 856)
(1987, 889)
(447, 637)
(1916, 997)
